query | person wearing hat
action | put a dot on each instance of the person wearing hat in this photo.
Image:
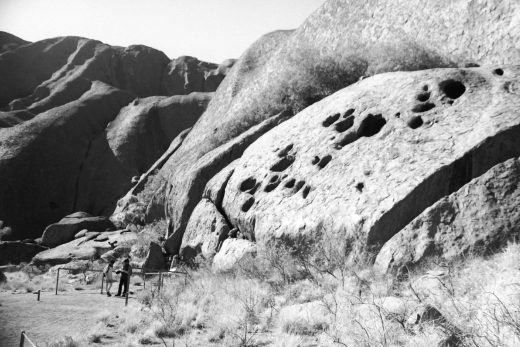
(125, 272)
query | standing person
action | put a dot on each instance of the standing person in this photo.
(125, 272)
(107, 272)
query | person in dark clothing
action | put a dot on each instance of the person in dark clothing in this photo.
(125, 272)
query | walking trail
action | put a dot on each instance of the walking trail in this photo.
(54, 316)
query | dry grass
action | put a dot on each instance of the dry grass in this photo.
(479, 299)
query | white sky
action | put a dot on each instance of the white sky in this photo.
(211, 30)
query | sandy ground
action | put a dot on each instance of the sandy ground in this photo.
(54, 316)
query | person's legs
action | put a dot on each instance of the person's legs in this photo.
(121, 283)
(109, 286)
(125, 284)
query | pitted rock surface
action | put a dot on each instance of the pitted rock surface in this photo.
(343, 40)
(367, 160)
(481, 217)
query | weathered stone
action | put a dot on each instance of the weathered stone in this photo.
(336, 46)
(154, 259)
(14, 252)
(82, 249)
(81, 233)
(119, 252)
(232, 252)
(480, 217)
(65, 135)
(201, 235)
(65, 230)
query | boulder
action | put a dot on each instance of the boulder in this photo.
(119, 252)
(231, 253)
(337, 45)
(479, 217)
(82, 249)
(14, 252)
(154, 259)
(66, 229)
(204, 226)
(364, 162)
(81, 233)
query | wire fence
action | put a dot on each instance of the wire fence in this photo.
(99, 277)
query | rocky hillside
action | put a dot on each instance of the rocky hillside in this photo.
(369, 159)
(79, 119)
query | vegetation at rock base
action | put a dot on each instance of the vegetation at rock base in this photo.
(473, 301)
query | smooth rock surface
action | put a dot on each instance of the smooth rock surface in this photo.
(67, 141)
(154, 259)
(201, 236)
(231, 252)
(480, 217)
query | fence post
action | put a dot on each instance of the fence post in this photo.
(102, 280)
(57, 277)
(127, 288)
(143, 275)
(159, 282)
(39, 290)
(22, 338)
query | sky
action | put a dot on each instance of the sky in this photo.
(211, 30)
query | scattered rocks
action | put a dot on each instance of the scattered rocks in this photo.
(66, 229)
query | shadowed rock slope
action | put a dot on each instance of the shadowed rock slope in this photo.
(80, 118)
(341, 42)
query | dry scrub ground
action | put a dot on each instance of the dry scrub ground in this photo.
(276, 299)
(55, 316)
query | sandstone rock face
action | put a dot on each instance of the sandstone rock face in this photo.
(232, 252)
(9, 41)
(201, 236)
(154, 259)
(481, 216)
(71, 139)
(67, 228)
(15, 252)
(188, 74)
(364, 162)
(341, 42)
(83, 249)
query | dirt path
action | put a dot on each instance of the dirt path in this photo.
(55, 316)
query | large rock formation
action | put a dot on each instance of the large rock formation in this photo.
(79, 119)
(341, 42)
(364, 162)
(9, 41)
(481, 217)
